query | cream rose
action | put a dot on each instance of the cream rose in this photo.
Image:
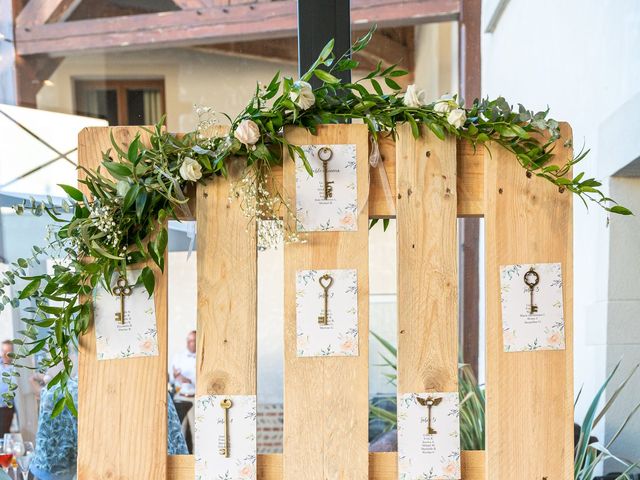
(457, 117)
(302, 95)
(413, 97)
(190, 169)
(247, 132)
(444, 104)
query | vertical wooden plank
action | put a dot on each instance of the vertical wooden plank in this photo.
(326, 399)
(122, 404)
(529, 394)
(427, 263)
(227, 291)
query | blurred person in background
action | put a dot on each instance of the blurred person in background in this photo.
(182, 370)
(6, 366)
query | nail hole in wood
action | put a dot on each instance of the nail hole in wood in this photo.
(399, 196)
(500, 191)
(428, 154)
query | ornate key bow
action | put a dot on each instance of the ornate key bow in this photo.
(122, 289)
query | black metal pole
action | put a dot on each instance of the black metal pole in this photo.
(318, 22)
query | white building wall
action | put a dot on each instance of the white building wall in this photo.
(580, 57)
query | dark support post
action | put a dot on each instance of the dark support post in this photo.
(318, 22)
(470, 89)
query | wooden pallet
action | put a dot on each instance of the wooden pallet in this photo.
(426, 184)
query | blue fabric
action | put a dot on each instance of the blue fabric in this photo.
(57, 438)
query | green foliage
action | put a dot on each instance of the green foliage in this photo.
(588, 456)
(120, 218)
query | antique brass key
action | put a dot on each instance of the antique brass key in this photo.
(122, 289)
(325, 281)
(325, 154)
(226, 405)
(429, 402)
(531, 279)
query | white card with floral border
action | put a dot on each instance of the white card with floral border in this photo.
(137, 336)
(211, 463)
(429, 436)
(339, 336)
(339, 211)
(522, 330)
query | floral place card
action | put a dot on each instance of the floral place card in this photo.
(240, 438)
(526, 328)
(337, 333)
(429, 436)
(339, 210)
(137, 336)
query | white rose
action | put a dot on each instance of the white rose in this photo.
(457, 117)
(302, 95)
(247, 132)
(190, 169)
(413, 97)
(444, 104)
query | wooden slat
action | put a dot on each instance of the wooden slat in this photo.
(122, 404)
(382, 466)
(382, 190)
(227, 292)
(529, 394)
(326, 399)
(216, 24)
(427, 263)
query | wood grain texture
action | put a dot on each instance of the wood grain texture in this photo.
(382, 466)
(122, 404)
(427, 251)
(227, 291)
(382, 189)
(529, 394)
(326, 399)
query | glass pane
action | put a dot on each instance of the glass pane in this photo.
(181, 345)
(143, 106)
(99, 103)
(202, 72)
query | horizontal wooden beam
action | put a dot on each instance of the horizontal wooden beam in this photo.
(382, 188)
(217, 24)
(382, 466)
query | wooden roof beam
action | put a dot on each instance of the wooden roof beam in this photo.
(39, 12)
(232, 23)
